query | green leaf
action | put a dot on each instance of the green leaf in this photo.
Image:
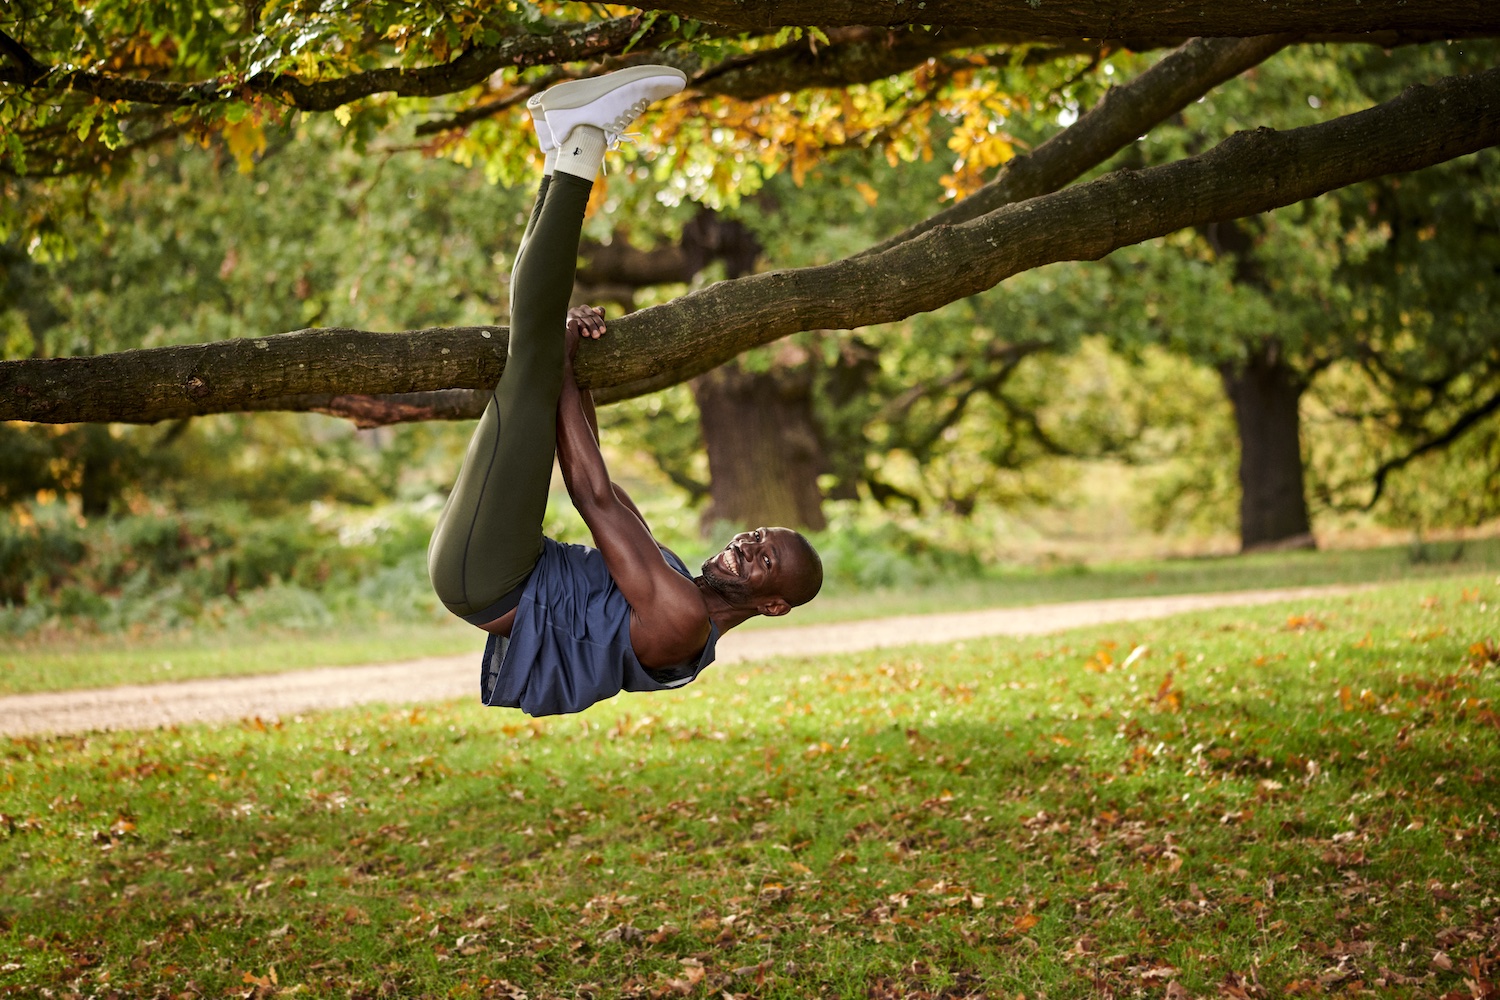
(646, 23)
(83, 122)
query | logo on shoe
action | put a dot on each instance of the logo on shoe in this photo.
(577, 150)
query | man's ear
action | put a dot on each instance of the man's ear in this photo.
(775, 608)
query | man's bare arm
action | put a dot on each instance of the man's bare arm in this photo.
(668, 622)
(586, 400)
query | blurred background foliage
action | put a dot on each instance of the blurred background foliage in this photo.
(1056, 415)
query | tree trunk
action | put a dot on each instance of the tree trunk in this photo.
(1265, 393)
(764, 449)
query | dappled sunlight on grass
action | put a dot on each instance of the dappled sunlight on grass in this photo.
(1286, 800)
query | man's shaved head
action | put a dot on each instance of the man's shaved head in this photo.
(765, 570)
(806, 571)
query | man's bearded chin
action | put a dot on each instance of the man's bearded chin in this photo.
(733, 591)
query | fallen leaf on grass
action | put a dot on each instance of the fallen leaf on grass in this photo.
(661, 934)
(269, 979)
(750, 970)
(692, 976)
(1387, 977)
(625, 933)
(1301, 623)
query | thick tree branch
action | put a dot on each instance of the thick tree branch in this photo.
(863, 55)
(1122, 115)
(1109, 19)
(853, 56)
(1249, 173)
(485, 109)
(391, 408)
(567, 44)
(28, 69)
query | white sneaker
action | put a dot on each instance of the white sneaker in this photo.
(539, 120)
(610, 102)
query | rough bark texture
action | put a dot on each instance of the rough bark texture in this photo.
(764, 453)
(862, 55)
(1096, 19)
(1249, 173)
(1265, 393)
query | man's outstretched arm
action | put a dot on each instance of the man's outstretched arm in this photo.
(668, 623)
(586, 401)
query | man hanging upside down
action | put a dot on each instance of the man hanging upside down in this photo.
(572, 625)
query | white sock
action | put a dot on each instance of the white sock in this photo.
(583, 152)
(549, 162)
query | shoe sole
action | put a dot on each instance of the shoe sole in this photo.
(534, 107)
(577, 93)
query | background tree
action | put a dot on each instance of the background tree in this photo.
(1385, 288)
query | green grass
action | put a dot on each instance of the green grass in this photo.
(1264, 802)
(67, 661)
(1011, 587)
(103, 661)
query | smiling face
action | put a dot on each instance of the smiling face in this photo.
(770, 570)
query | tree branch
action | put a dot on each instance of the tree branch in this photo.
(1249, 173)
(1455, 431)
(1123, 114)
(1108, 19)
(485, 109)
(30, 70)
(990, 382)
(391, 408)
(568, 43)
(997, 353)
(862, 55)
(854, 55)
(95, 156)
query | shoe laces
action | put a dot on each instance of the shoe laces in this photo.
(615, 132)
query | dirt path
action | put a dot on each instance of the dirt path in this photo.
(272, 695)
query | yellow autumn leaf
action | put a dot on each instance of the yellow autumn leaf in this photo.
(245, 140)
(868, 193)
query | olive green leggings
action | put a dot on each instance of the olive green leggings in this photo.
(489, 535)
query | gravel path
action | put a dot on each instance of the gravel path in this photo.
(138, 706)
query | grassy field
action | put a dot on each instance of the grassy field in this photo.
(57, 665)
(1279, 801)
(1081, 582)
(68, 661)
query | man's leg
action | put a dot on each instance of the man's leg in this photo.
(490, 532)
